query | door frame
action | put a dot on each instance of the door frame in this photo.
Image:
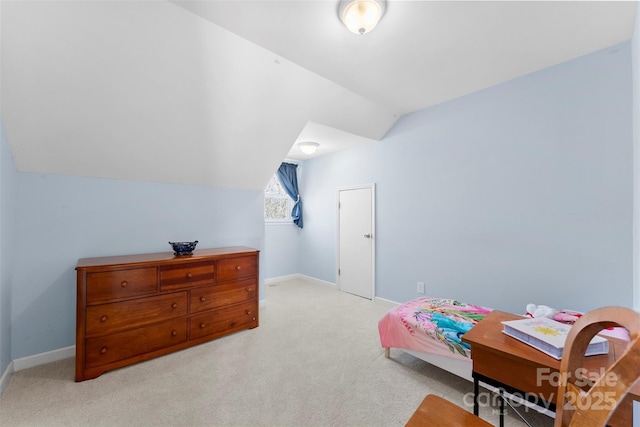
(373, 233)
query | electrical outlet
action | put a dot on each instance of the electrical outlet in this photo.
(421, 287)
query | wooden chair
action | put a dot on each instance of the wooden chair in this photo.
(581, 403)
(434, 411)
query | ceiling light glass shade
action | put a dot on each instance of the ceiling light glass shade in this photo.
(361, 16)
(308, 147)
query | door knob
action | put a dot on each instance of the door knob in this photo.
(368, 236)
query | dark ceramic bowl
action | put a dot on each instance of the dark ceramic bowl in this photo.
(183, 248)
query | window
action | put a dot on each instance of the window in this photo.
(277, 204)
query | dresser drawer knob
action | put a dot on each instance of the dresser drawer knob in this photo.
(249, 289)
(174, 333)
(238, 268)
(248, 312)
(189, 275)
(202, 299)
(104, 318)
(174, 305)
(103, 350)
(202, 325)
(124, 283)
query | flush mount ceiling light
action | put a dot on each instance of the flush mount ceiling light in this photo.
(361, 16)
(308, 147)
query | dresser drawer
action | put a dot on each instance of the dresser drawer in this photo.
(107, 318)
(215, 321)
(237, 268)
(109, 285)
(131, 343)
(218, 296)
(186, 276)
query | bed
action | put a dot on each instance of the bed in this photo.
(431, 329)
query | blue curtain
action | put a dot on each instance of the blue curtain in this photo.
(289, 180)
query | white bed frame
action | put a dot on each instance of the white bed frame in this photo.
(463, 368)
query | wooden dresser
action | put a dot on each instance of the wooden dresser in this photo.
(133, 308)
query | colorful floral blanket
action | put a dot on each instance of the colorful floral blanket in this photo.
(429, 324)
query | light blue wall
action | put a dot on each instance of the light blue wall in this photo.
(518, 193)
(65, 218)
(281, 250)
(7, 242)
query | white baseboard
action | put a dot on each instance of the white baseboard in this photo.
(6, 375)
(282, 278)
(386, 301)
(299, 276)
(42, 358)
(318, 281)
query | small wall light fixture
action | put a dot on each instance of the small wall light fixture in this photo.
(308, 147)
(361, 16)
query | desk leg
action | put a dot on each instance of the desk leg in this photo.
(501, 408)
(476, 390)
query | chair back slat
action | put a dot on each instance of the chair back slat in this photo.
(580, 401)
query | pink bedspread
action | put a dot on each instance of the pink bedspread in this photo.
(430, 325)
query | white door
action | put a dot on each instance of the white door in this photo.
(356, 241)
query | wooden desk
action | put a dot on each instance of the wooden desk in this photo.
(504, 362)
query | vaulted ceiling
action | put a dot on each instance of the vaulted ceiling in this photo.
(218, 92)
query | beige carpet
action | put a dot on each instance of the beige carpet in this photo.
(315, 360)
